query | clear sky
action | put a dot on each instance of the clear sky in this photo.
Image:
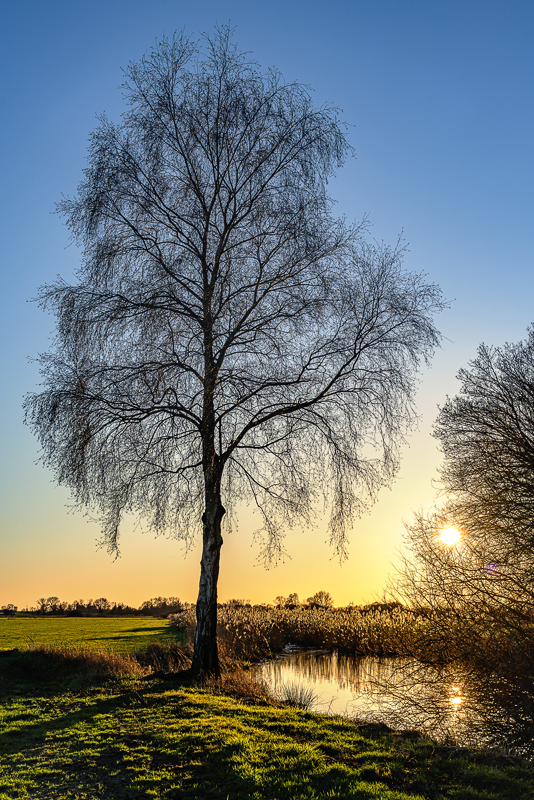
(440, 97)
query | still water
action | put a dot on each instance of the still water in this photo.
(449, 703)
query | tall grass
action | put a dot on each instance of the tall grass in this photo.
(434, 636)
(297, 695)
(166, 656)
(76, 665)
(255, 632)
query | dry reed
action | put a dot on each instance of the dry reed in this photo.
(86, 663)
(255, 632)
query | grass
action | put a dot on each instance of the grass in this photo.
(297, 695)
(145, 738)
(118, 634)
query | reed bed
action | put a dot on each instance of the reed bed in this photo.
(256, 632)
(433, 636)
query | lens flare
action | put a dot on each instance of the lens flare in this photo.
(450, 536)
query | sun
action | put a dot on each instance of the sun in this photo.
(450, 535)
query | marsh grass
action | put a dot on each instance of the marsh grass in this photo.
(433, 636)
(297, 695)
(256, 632)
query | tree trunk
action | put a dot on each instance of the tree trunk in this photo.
(206, 657)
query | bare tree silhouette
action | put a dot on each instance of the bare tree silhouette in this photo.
(486, 581)
(227, 338)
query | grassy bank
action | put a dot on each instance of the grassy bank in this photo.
(135, 737)
(119, 634)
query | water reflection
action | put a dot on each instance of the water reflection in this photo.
(449, 703)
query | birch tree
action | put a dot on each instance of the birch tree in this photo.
(227, 340)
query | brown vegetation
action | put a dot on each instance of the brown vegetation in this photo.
(87, 664)
(433, 635)
(255, 632)
(478, 593)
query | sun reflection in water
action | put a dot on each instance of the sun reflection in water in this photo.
(456, 698)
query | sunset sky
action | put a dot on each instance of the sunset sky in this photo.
(440, 97)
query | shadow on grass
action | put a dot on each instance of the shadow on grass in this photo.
(135, 742)
(140, 743)
(130, 739)
(50, 670)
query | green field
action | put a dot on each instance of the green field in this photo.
(120, 634)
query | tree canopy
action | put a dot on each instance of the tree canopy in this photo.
(487, 437)
(228, 339)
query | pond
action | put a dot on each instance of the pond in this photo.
(450, 704)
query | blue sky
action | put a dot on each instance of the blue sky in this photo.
(439, 96)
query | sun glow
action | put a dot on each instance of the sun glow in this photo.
(450, 536)
(456, 699)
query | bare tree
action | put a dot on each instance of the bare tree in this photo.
(227, 338)
(102, 604)
(42, 605)
(487, 436)
(320, 599)
(486, 581)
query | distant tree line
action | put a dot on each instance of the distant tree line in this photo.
(155, 607)
(163, 606)
(320, 599)
(325, 601)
